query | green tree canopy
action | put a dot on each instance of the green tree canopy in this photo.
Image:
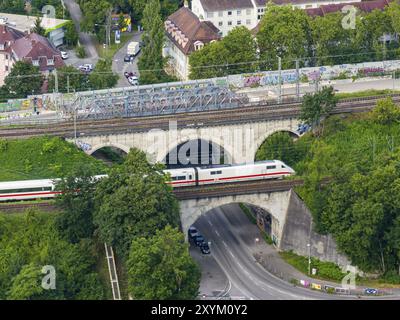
(228, 56)
(30, 241)
(24, 79)
(285, 32)
(102, 76)
(386, 112)
(78, 81)
(75, 221)
(160, 267)
(151, 62)
(133, 201)
(317, 105)
(37, 28)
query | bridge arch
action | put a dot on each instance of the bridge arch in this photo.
(205, 152)
(275, 203)
(112, 144)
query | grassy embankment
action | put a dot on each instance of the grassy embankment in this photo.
(40, 158)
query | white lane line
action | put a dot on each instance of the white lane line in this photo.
(217, 233)
(224, 243)
(209, 222)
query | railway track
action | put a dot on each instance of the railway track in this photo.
(247, 113)
(18, 207)
(236, 188)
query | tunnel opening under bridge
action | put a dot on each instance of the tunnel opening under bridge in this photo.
(197, 152)
(110, 155)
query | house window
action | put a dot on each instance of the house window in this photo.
(220, 24)
(239, 22)
(50, 62)
(220, 13)
(239, 12)
(248, 11)
(229, 13)
(6, 68)
(35, 62)
(259, 17)
(229, 23)
(198, 45)
(248, 21)
(210, 14)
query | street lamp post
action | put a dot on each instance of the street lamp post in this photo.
(279, 79)
(309, 258)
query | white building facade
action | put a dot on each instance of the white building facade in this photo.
(228, 14)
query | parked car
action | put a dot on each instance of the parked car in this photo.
(129, 74)
(370, 291)
(64, 55)
(199, 240)
(133, 80)
(87, 67)
(128, 58)
(192, 233)
(205, 249)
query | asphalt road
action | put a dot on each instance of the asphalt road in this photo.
(84, 38)
(119, 66)
(232, 239)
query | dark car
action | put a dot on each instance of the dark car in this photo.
(205, 249)
(129, 74)
(199, 240)
(192, 233)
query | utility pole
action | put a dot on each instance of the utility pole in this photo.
(55, 80)
(297, 80)
(279, 79)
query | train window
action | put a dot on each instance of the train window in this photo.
(190, 177)
(178, 178)
(216, 172)
(26, 190)
(283, 166)
(271, 167)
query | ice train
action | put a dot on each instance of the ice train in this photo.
(182, 177)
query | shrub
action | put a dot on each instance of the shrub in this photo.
(80, 52)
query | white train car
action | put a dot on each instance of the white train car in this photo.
(270, 169)
(183, 177)
(27, 190)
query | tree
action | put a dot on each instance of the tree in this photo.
(102, 76)
(151, 62)
(386, 112)
(280, 146)
(37, 28)
(285, 32)
(167, 7)
(78, 81)
(393, 11)
(24, 79)
(75, 221)
(70, 34)
(26, 285)
(160, 267)
(133, 201)
(228, 56)
(318, 105)
(30, 241)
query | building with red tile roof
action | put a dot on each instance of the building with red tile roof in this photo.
(186, 33)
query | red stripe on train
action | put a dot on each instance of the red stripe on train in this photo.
(28, 194)
(229, 178)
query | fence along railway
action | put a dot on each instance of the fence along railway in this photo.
(244, 114)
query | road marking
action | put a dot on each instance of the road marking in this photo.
(209, 222)
(217, 233)
(224, 243)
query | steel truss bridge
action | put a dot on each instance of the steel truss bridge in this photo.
(153, 100)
